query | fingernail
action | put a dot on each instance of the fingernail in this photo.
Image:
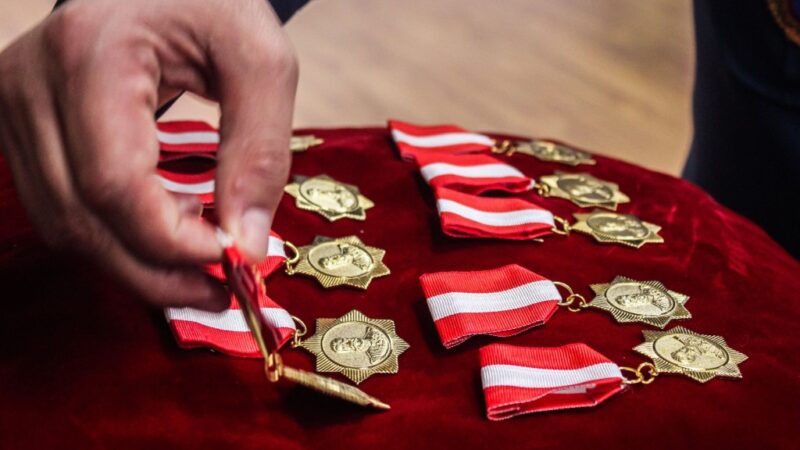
(254, 232)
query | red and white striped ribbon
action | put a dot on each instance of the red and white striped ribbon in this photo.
(186, 139)
(522, 380)
(200, 184)
(465, 215)
(473, 174)
(227, 331)
(499, 302)
(413, 140)
(276, 255)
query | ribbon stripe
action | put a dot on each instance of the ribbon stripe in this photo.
(465, 215)
(472, 174)
(227, 331)
(499, 302)
(522, 380)
(413, 140)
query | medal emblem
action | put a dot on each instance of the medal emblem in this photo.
(625, 229)
(330, 198)
(336, 262)
(356, 346)
(698, 356)
(304, 142)
(582, 189)
(553, 152)
(648, 302)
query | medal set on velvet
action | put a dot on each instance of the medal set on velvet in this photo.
(461, 166)
(512, 299)
(255, 325)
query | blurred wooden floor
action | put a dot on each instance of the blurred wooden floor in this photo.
(611, 75)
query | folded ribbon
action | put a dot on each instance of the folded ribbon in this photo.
(499, 302)
(227, 331)
(523, 380)
(413, 140)
(465, 215)
(187, 139)
(472, 174)
(200, 184)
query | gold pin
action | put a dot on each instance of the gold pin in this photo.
(648, 302)
(610, 227)
(700, 357)
(331, 199)
(582, 189)
(550, 151)
(356, 346)
(336, 262)
(304, 142)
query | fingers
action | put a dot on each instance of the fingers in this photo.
(114, 151)
(256, 80)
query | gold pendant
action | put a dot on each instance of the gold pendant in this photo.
(330, 198)
(553, 152)
(698, 356)
(582, 189)
(648, 302)
(625, 229)
(276, 370)
(336, 262)
(304, 142)
(356, 346)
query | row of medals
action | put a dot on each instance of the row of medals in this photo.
(358, 346)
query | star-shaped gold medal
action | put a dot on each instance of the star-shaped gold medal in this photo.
(332, 199)
(582, 189)
(610, 227)
(356, 346)
(698, 356)
(336, 262)
(304, 142)
(550, 151)
(648, 302)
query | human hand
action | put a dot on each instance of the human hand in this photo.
(78, 95)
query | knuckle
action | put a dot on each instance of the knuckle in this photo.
(64, 32)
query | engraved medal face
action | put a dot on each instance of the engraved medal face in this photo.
(343, 261)
(648, 302)
(553, 152)
(304, 142)
(329, 198)
(356, 346)
(625, 229)
(583, 189)
(698, 356)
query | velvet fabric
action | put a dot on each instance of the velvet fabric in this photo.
(85, 365)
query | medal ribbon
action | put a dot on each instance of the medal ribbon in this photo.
(227, 331)
(413, 140)
(200, 184)
(187, 139)
(473, 174)
(499, 302)
(523, 380)
(465, 215)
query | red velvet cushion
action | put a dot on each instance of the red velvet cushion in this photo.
(84, 365)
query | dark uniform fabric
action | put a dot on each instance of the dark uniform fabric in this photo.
(746, 147)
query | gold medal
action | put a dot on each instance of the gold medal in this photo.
(304, 142)
(330, 198)
(648, 302)
(355, 346)
(552, 152)
(336, 262)
(698, 356)
(625, 229)
(582, 189)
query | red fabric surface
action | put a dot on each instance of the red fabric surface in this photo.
(85, 365)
